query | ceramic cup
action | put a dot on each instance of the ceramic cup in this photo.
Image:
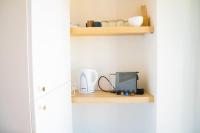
(90, 23)
(136, 21)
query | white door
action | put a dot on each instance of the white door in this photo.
(50, 114)
(50, 45)
(50, 50)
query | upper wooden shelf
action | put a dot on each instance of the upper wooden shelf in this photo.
(104, 97)
(92, 31)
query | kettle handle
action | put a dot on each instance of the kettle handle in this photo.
(96, 76)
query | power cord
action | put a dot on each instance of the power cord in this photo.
(111, 91)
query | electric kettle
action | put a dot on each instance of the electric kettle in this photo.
(88, 80)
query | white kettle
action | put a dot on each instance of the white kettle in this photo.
(88, 81)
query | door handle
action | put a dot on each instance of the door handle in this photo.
(43, 107)
(44, 88)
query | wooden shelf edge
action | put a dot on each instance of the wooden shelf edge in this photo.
(103, 97)
(94, 31)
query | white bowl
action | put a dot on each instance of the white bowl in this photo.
(136, 21)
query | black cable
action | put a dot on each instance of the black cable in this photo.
(113, 91)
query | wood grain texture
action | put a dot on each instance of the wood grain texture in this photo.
(92, 31)
(146, 18)
(104, 97)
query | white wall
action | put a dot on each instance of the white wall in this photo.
(113, 118)
(197, 109)
(176, 73)
(108, 54)
(197, 100)
(14, 92)
(81, 11)
(196, 40)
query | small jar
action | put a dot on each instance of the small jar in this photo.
(104, 23)
(119, 23)
(112, 23)
(126, 23)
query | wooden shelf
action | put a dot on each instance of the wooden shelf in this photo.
(104, 97)
(93, 31)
